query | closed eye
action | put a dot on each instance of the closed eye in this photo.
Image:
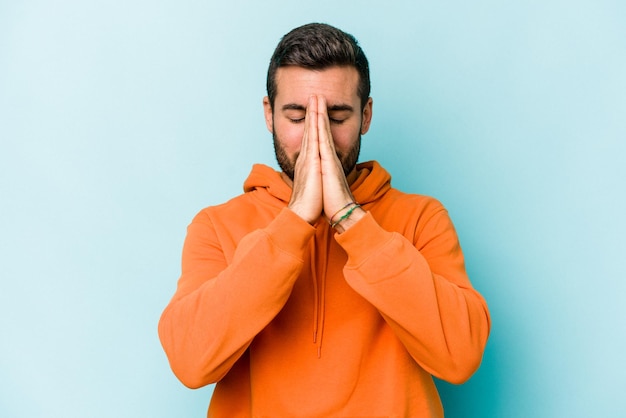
(332, 120)
(338, 114)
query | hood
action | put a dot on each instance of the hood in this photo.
(372, 182)
(265, 178)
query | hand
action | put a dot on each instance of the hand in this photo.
(320, 185)
(335, 187)
(306, 197)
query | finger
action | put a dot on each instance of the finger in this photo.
(305, 135)
(312, 125)
(323, 128)
(309, 138)
(327, 143)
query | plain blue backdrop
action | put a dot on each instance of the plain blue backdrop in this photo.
(120, 119)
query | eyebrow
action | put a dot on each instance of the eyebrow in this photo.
(333, 108)
(341, 108)
(294, 106)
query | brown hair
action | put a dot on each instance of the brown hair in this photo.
(318, 46)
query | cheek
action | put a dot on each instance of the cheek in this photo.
(290, 135)
(344, 136)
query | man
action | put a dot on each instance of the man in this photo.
(322, 291)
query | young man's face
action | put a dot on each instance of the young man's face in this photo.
(347, 121)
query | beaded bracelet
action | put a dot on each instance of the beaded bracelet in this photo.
(346, 215)
(330, 220)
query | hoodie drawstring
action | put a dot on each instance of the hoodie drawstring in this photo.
(319, 288)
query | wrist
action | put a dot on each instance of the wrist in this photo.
(345, 217)
(332, 218)
(304, 212)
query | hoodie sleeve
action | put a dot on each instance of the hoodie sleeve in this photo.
(423, 292)
(220, 306)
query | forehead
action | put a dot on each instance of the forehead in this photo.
(336, 84)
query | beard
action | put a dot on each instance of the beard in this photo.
(348, 160)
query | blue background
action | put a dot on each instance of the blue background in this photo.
(119, 120)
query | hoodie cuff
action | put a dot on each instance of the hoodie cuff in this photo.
(290, 232)
(362, 240)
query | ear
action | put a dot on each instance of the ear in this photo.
(269, 116)
(367, 116)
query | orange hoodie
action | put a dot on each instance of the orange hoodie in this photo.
(293, 320)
